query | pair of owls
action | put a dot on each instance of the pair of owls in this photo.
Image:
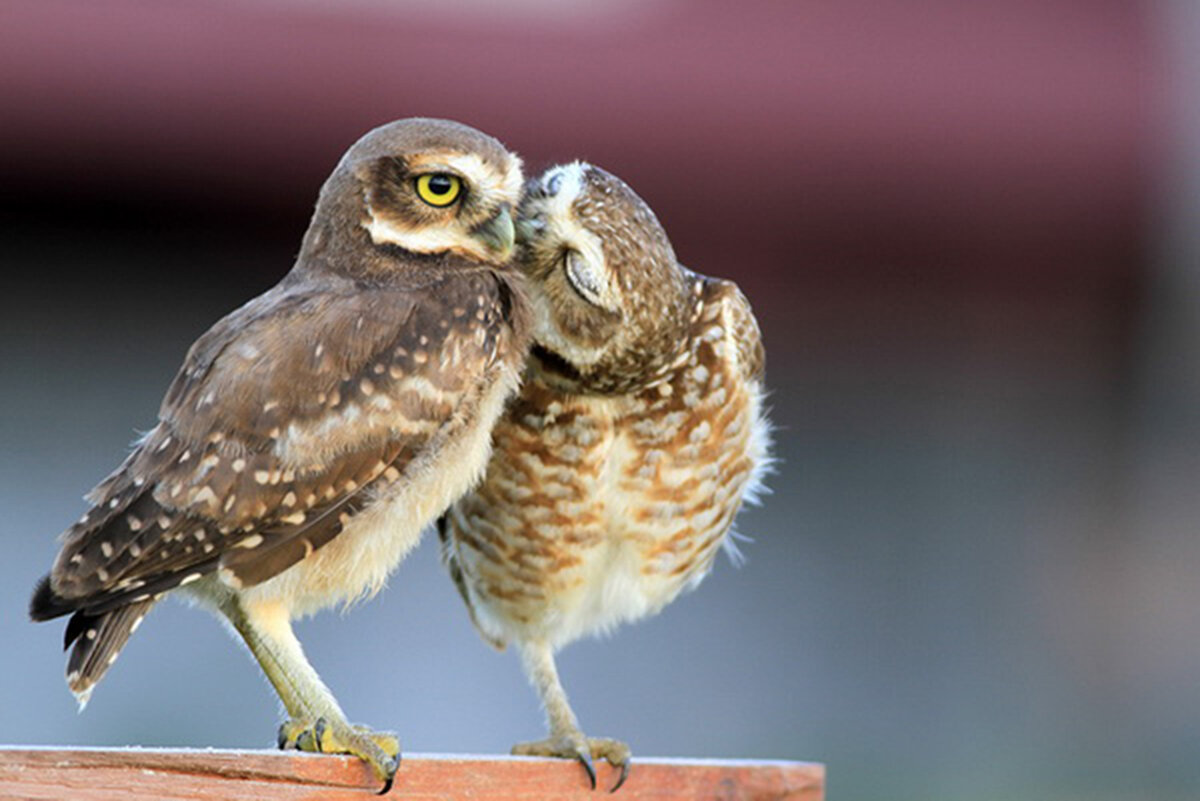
(583, 425)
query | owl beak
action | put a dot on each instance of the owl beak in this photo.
(498, 233)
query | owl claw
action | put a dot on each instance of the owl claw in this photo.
(380, 750)
(583, 750)
(586, 761)
(624, 775)
(615, 752)
(318, 732)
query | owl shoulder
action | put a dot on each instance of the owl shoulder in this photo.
(738, 324)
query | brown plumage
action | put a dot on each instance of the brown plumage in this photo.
(619, 468)
(311, 434)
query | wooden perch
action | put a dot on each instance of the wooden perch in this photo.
(132, 774)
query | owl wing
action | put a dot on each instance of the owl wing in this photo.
(284, 419)
(740, 326)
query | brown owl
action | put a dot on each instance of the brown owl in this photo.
(311, 434)
(618, 469)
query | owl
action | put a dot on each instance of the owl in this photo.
(312, 433)
(619, 467)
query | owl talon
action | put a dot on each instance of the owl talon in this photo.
(318, 732)
(380, 750)
(616, 753)
(583, 750)
(587, 765)
(621, 779)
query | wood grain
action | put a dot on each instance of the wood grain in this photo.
(134, 774)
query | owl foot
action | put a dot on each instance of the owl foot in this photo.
(582, 749)
(380, 750)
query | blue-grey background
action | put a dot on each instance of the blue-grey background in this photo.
(969, 230)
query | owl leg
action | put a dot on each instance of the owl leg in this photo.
(566, 741)
(316, 722)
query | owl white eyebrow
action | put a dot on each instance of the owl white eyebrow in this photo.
(514, 181)
(558, 205)
(475, 170)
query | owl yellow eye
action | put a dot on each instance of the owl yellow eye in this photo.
(439, 188)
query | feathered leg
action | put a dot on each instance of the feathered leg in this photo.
(566, 741)
(316, 722)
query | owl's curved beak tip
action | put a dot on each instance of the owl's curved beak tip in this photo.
(499, 233)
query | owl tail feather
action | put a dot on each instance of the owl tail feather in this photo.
(46, 604)
(98, 639)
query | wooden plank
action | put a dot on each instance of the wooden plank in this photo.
(134, 774)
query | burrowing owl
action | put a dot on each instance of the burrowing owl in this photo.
(619, 468)
(311, 434)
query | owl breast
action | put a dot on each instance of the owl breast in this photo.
(598, 509)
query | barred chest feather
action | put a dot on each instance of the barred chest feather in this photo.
(601, 509)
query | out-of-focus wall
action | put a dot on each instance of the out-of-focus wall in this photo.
(967, 229)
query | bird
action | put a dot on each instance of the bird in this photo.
(311, 434)
(617, 471)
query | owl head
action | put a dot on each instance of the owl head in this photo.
(416, 188)
(611, 303)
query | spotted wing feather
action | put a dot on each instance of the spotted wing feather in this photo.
(284, 420)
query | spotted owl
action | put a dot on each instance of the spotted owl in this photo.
(618, 469)
(311, 434)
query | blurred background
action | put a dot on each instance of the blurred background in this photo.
(970, 232)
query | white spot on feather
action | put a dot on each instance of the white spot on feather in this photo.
(205, 495)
